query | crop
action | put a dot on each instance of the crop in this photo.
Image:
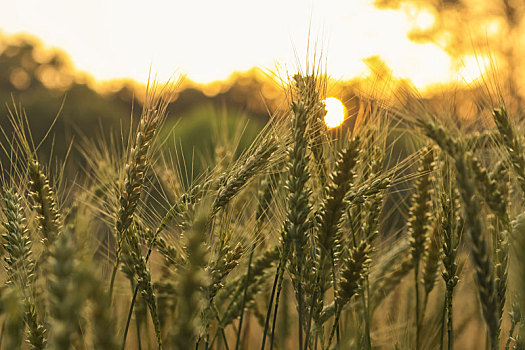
(308, 239)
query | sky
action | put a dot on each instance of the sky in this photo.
(208, 39)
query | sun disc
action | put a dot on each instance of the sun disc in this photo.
(335, 112)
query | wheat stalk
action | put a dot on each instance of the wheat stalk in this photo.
(192, 277)
(328, 225)
(419, 221)
(352, 274)
(20, 265)
(480, 254)
(231, 185)
(451, 226)
(512, 143)
(44, 202)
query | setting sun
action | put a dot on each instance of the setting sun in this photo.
(335, 112)
(189, 153)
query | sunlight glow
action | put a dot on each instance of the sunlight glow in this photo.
(422, 17)
(335, 112)
(208, 40)
(472, 67)
(425, 20)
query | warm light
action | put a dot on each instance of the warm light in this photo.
(335, 112)
(473, 67)
(232, 35)
(494, 27)
(424, 20)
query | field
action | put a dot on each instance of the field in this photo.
(401, 230)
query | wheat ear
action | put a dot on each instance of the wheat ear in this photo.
(512, 143)
(480, 253)
(20, 265)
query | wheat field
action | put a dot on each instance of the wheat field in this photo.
(403, 231)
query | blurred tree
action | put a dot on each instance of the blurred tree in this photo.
(44, 82)
(465, 27)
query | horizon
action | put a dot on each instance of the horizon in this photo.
(347, 41)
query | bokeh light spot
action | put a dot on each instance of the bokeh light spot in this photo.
(20, 79)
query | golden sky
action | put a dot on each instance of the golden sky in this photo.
(209, 39)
